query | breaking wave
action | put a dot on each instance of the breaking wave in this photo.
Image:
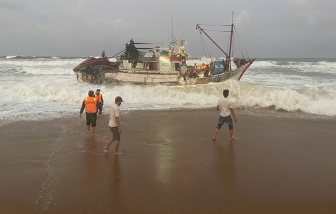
(42, 62)
(307, 67)
(318, 100)
(38, 89)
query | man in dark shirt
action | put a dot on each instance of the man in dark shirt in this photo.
(206, 71)
(91, 106)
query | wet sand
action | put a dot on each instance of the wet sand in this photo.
(170, 165)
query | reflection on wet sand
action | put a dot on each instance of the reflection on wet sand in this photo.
(226, 167)
(15, 206)
(164, 155)
(90, 162)
(115, 180)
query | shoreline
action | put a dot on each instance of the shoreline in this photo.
(252, 111)
(170, 165)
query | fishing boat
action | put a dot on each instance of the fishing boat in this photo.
(165, 63)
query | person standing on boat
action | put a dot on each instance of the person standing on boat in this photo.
(91, 106)
(226, 110)
(195, 75)
(183, 71)
(114, 125)
(206, 71)
(99, 97)
(189, 74)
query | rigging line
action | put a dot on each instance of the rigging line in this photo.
(241, 50)
(119, 53)
(202, 43)
(241, 42)
(207, 49)
(239, 46)
(224, 31)
(215, 25)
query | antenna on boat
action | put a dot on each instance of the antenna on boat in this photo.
(232, 16)
(183, 32)
(173, 38)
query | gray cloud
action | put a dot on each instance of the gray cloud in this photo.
(296, 28)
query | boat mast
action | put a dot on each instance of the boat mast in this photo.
(229, 61)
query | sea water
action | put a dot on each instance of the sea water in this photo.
(40, 88)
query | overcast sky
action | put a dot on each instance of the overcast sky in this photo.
(267, 28)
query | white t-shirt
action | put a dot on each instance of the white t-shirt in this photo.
(224, 106)
(183, 70)
(114, 112)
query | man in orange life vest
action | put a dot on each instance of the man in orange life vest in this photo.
(195, 75)
(99, 97)
(190, 75)
(91, 106)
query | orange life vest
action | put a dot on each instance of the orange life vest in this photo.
(195, 72)
(98, 97)
(188, 72)
(90, 105)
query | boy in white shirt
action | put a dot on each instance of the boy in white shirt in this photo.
(226, 110)
(114, 125)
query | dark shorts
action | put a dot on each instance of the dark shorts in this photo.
(223, 120)
(91, 119)
(101, 105)
(116, 135)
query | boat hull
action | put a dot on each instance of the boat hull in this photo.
(143, 77)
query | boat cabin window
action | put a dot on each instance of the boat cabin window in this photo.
(151, 66)
(177, 65)
(164, 64)
(83, 68)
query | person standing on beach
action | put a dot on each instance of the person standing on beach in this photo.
(91, 106)
(226, 110)
(114, 125)
(99, 97)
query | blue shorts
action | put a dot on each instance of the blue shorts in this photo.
(223, 120)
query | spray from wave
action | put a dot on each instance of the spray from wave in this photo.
(319, 100)
(47, 88)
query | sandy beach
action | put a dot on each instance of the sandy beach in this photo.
(170, 164)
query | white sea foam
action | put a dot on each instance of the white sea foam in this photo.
(52, 89)
(47, 70)
(10, 57)
(62, 91)
(260, 64)
(306, 67)
(42, 62)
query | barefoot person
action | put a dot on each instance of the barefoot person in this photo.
(114, 125)
(226, 110)
(100, 99)
(91, 106)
